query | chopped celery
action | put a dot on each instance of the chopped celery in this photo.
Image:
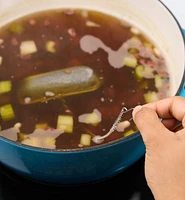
(5, 86)
(28, 47)
(7, 112)
(139, 70)
(65, 123)
(16, 28)
(151, 97)
(41, 126)
(130, 62)
(148, 45)
(50, 46)
(133, 51)
(20, 137)
(129, 132)
(1, 60)
(159, 81)
(85, 140)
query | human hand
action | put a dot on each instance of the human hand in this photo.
(165, 149)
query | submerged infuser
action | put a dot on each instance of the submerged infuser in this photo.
(99, 139)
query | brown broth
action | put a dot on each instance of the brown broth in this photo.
(66, 28)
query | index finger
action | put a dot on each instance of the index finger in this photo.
(172, 107)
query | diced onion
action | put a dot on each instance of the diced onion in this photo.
(85, 140)
(28, 47)
(151, 97)
(7, 112)
(65, 123)
(130, 62)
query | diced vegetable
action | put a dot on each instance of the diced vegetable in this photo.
(148, 45)
(81, 79)
(92, 24)
(16, 28)
(50, 46)
(65, 123)
(135, 30)
(139, 71)
(93, 118)
(130, 62)
(1, 60)
(151, 97)
(129, 132)
(41, 126)
(133, 51)
(28, 47)
(5, 86)
(85, 140)
(159, 81)
(148, 72)
(17, 125)
(7, 112)
(20, 137)
(157, 52)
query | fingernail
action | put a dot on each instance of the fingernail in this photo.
(136, 109)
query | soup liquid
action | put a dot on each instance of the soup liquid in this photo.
(67, 29)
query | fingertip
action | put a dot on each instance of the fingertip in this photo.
(136, 109)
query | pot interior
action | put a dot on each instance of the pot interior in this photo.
(162, 29)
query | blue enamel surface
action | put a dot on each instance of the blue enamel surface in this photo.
(73, 167)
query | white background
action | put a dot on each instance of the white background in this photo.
(177, 7)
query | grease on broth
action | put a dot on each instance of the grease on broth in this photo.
(66, 74)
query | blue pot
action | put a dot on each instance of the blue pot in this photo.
(74, 167)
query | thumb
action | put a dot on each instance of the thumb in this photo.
(149, 125)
